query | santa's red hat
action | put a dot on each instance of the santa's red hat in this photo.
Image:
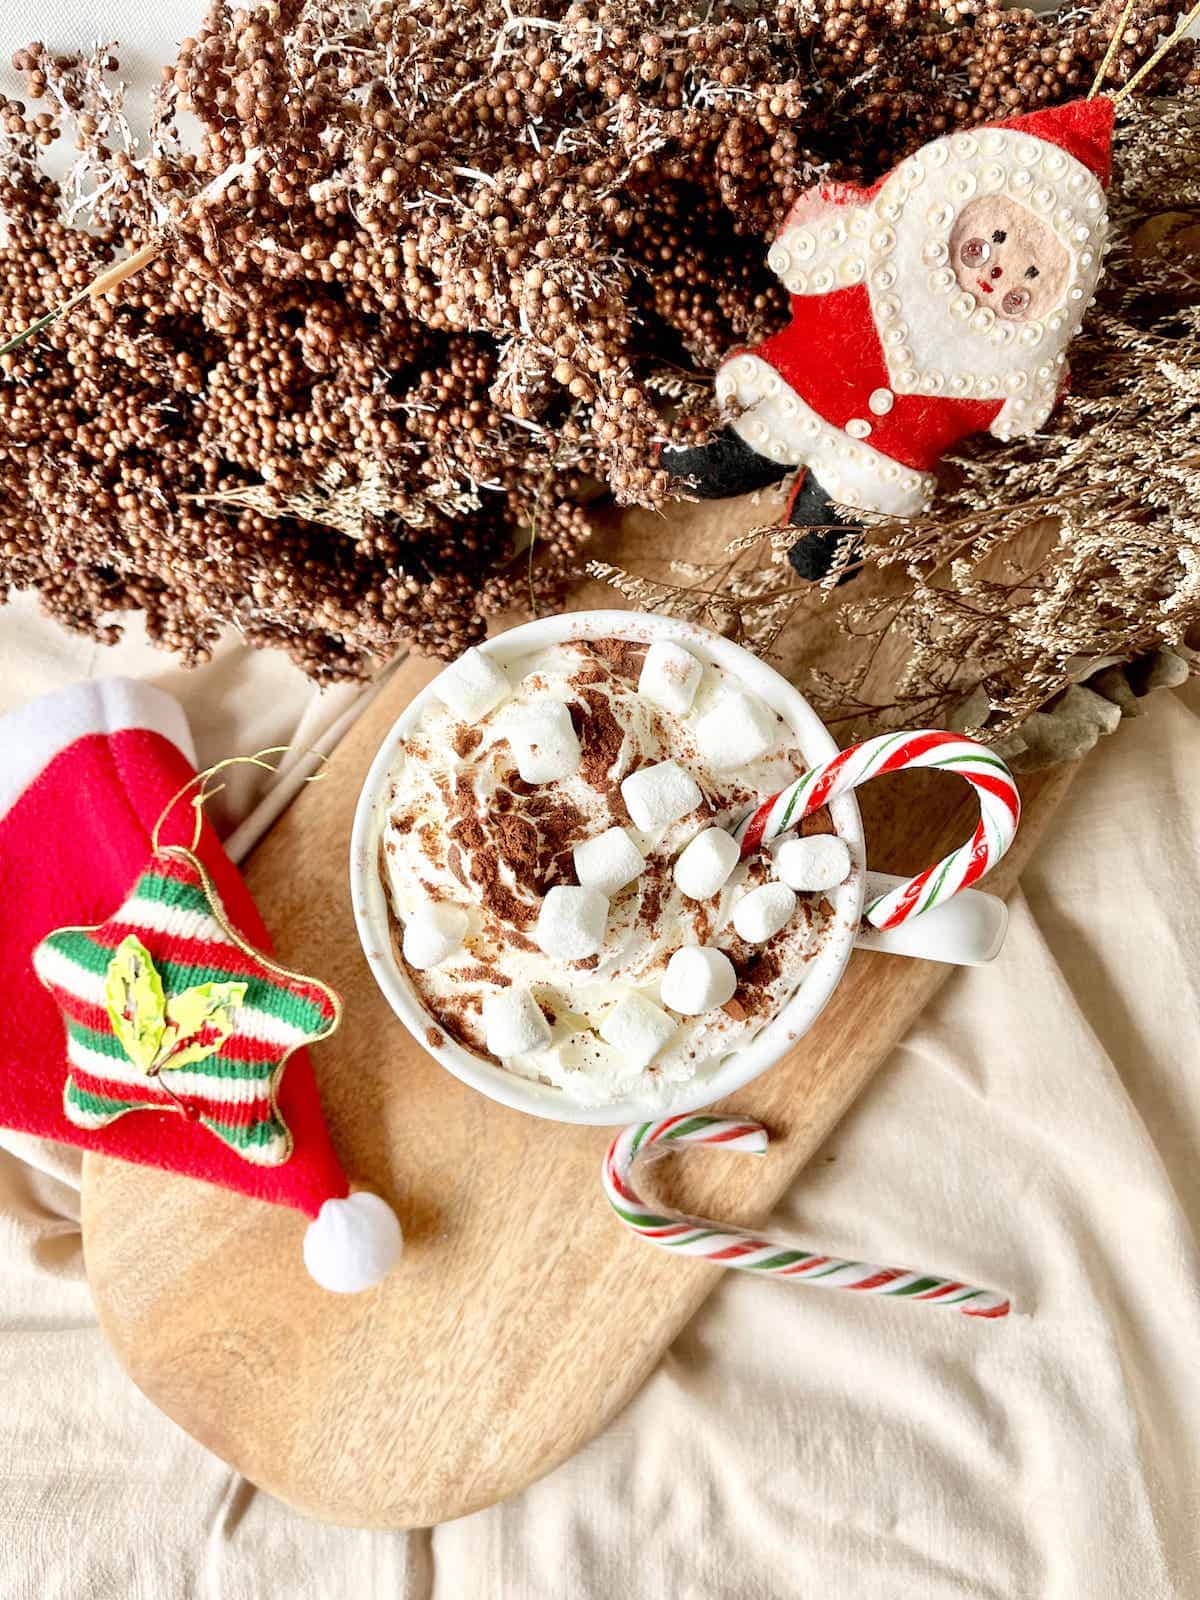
(1084, 129)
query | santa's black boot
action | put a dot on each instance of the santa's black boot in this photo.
(812, 555)
(724, 467)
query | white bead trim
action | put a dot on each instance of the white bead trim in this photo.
(787, 429)
(1031, 172)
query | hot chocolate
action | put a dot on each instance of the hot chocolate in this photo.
(567, 900)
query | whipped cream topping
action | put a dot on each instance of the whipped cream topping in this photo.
(462, 827)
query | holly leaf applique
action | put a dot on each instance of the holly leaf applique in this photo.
(160, 1035)
(198, 1023)
(133, 996)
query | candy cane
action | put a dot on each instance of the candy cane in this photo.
(999, 811)
(734, 1247)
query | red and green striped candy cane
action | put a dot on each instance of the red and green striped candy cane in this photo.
(734, 1247)
(999, 811)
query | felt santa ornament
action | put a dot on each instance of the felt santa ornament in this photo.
(145, 1017)
(938, 303)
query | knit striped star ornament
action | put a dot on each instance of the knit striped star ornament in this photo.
(168, 1010)
(164, 1032)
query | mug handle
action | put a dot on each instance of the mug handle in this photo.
(967, 931)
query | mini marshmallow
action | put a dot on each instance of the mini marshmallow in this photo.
(698, 979)
(659, 795)
(736, 729)
(433, 933)
(759, 915)
(705, 865)
(638, 1029)
(571, 923)
(513, 1022)
(544, 742)
(608, 862)
(670, 676)
(472, 686)
(821, 861)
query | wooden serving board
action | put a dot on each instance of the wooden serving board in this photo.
(504, 1340)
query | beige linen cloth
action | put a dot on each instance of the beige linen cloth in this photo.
(1042, 1120)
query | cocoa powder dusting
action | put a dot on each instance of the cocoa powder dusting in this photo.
(430, 837)
(482, 972)
(593, 673)
(819, 822)
(434, 1039)
(561, 869)
(623, 656)
(653, 888)
(456, 1024)
(466, 739)
(600, 739)
(454, 861)
(517, 842)
(494, 894)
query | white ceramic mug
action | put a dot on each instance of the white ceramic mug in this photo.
(967, 930)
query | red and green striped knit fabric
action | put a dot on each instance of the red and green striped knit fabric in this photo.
(165, 1012)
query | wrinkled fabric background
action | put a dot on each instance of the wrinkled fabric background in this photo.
(792, 1443)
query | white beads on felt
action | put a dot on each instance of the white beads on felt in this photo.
(704, 866)
(432, 933)
(819, 862)
(608, 862)
(698, 979)
(571, 922)
(472, 686)
(759, 915)
(670, 676)
(1034, 173)
(544, 742)
(638, 1029)
(659, 795)
(735, 730)
(513, 1023)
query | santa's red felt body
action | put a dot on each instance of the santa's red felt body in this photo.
(937, 304)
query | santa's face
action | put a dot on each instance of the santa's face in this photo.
(1008, 259)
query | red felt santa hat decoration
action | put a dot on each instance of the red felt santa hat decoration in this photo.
(1084, 129)
(145, 1017)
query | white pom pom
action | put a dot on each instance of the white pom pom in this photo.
(352, 1244)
